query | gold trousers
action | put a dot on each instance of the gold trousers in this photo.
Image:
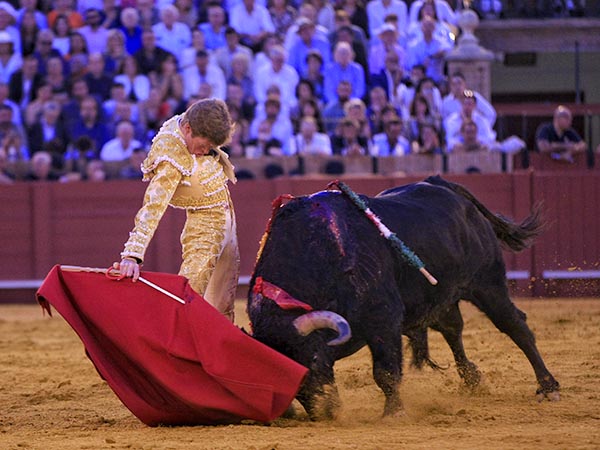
(211, 257)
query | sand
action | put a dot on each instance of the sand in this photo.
(52, 398)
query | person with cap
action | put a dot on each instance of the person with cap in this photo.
(186, 168)
(377, 10)
(558, 138)
(308, 41)
(388, 42)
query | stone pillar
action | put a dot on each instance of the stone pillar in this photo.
(470, 58)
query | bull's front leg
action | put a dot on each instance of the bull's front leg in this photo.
(386, 350)
(319, 395)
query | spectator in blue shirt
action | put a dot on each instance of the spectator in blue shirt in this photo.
(344, 69)
(214, 29)
(308, 41)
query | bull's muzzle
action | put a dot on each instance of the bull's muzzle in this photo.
(309, 322)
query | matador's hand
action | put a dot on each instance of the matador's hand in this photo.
(129, 268)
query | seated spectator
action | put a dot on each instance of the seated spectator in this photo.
(391, 142)
(115, 52)
(263, 143)
(558, 138)
(443, 11)
(224, 56)
(77, 59)
(136, 84)
(241, 100)
(241, 131)
(8, 16)
(392, 80)
(252, 21)
(420, 113)
(345, 34)
(308, 41)
(149, 14)
(150, 56)
(281, 126)
(11, 139)
(30, 6)
(387, 42)
(204, 72)
(279, 73)
(55, 76)
(342, 19)
(111, 13)
(453, 123)
(79, 90)
(24, 83)
(358, 15)
(62, 32)
(377, 10)
(33, 111)
(153, 112)
(49, 128)
(99, 83)
(282, 16)
(325, 14)
(94, 171)
(169, 82)
(187, 58)
(133, 169)
(308, 141)
(427, 89)
(94, 33)
(430, 51)
(214, 29)
(28, 30)
(261, 58)
(377, 103)
(334, 110)
(356, 109)
(121, 147)
(428, 141)
(40, 168)
(65, 8)
(347, 140)
(89, 124)
(452, 102)
(308, 11)
(443, 29)
(6, 177)
(130, 26)
(44, 51)
(10, 61)
(314, 74)
(171, 35)
(469, 140)
(343, 68)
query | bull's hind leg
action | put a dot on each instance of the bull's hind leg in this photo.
(450, 324)
(386, 350)
(496, 304)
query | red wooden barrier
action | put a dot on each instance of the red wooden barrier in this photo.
(87, 223)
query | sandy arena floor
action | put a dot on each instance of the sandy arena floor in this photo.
(52, 398)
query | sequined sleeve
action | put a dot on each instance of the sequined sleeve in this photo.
(156, 199)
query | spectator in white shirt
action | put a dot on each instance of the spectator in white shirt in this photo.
(452, 102)
(122, 146)
(94, 33)
(279, 73)
(171, 35)
(309, 141)
(204, 72)
(453, 123)
(377, 10)
(253, 23)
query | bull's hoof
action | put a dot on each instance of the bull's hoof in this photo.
(326, 405)
(393, 407)
(553, 396)
(470, 375)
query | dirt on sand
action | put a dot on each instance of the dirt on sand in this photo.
(51, 397)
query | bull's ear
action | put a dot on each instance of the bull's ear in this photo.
(316, 320)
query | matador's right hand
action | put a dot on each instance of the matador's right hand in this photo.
(129, 268)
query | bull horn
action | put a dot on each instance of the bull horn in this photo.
(309, 322)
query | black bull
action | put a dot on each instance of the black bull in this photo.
(325, 252)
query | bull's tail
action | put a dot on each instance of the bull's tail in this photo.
(512, 235)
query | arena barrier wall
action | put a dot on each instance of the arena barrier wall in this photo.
(87, 223)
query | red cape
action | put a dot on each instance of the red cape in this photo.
(170, 363)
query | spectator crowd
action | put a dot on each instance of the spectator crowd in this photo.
(85, 85)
